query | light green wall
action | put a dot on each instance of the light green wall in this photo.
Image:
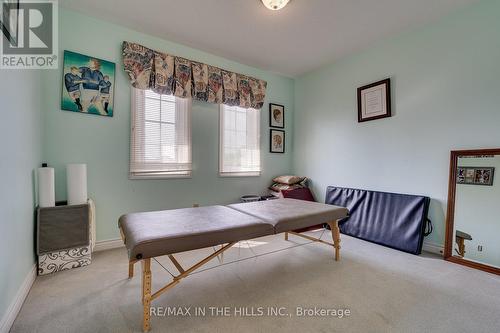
(20, 137)
(103, 143)
(445, 88)
(477, 212)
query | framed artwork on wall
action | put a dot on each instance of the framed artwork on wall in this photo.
(277, 141)
(88, 84)
(9, 20)
(374, 101)
(276, 115)
(475, 175)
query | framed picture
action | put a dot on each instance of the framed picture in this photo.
(475, 176)
(276, 115)
(374, 101)
(277, 141)
(88, 84)
(9, 20)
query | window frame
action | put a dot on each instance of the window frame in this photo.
(161, 174)
(238, 174)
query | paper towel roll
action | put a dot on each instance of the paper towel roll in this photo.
(76, 182)
(46, 188)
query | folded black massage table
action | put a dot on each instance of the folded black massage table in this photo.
(152, 234)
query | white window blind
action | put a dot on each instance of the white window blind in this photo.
(239, 141)
(161, 136)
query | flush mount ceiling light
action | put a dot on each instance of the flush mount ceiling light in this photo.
(275, 4)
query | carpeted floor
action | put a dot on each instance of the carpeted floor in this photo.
(385, 291)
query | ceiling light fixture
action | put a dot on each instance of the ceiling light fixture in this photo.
(275, 4)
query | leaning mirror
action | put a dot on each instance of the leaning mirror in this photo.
(473, 219)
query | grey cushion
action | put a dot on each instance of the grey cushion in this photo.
(292, 214)
(152, 234)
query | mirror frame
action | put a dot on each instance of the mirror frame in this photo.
(450, 216)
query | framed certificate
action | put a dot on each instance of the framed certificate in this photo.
(374, 101)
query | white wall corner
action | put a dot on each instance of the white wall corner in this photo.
(108, 245)
(433, 248)
(17, 302)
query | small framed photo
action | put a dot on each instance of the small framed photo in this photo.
(475, 175)
(374, 101)
(276, 115)
(277, 141)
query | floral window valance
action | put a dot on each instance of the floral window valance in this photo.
(170, 75)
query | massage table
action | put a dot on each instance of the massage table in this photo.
(152, 234)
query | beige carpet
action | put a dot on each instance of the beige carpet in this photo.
(385, 291)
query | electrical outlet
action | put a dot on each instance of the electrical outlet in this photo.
(480, 248)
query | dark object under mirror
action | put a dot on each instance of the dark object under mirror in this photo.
(472, 223)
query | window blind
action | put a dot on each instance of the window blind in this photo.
(160, 135)
(239, 141)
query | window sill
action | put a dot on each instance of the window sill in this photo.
(159, 177)
(239, 174)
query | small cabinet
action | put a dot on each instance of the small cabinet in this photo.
(63, 237)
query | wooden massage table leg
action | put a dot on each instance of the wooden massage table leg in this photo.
(132, 261)
(131, 268)
(334, 226)
(146, 294)
(461, 246)
(176, 263)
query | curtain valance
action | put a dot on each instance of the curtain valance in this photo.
(170, 75)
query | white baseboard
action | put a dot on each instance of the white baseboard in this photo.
(17, 302)
(433, 248)
(108, 244)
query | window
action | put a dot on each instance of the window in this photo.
(239, 141)
(161, 136)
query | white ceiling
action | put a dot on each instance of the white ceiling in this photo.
(303, 36)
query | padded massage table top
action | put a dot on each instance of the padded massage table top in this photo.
(152, 234)
(292, 214)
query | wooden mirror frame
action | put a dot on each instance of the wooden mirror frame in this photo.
(450, 216)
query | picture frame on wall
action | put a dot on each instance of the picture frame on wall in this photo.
(277, 141)
(88, 84)
(374, 101)
(475, 175)
(276, 115)
(9, 20)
